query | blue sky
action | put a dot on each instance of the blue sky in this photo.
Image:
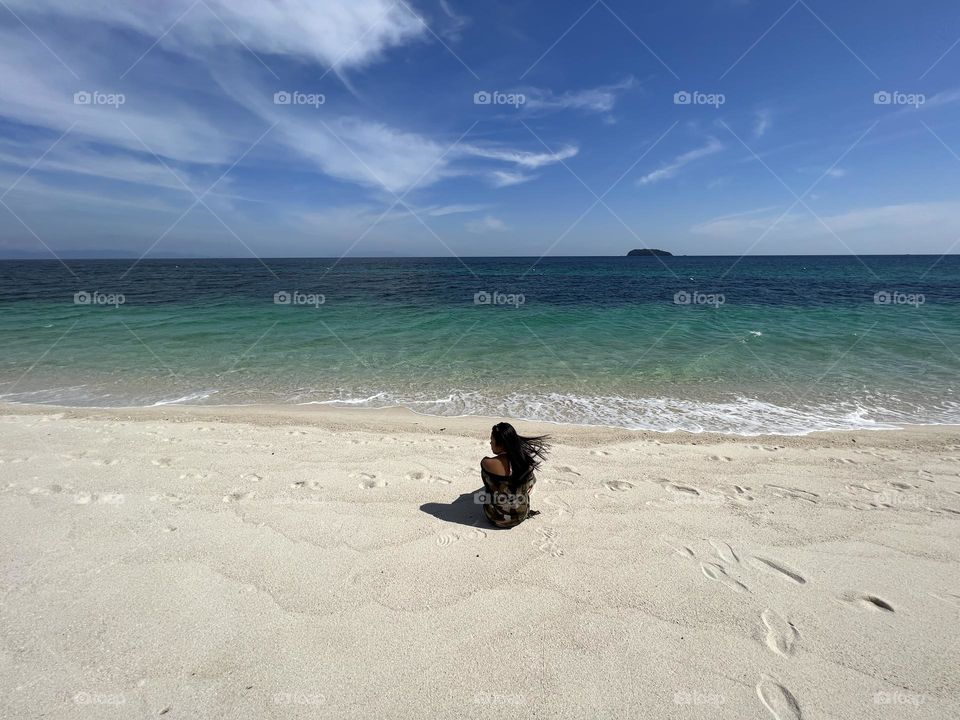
(156, 129)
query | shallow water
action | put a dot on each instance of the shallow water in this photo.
(778, 344)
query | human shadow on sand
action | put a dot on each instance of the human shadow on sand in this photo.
(465, 510)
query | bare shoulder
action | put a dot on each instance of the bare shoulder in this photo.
(494, 465)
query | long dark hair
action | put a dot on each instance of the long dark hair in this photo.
(524, 453)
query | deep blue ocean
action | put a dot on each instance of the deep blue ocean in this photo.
(747, 346)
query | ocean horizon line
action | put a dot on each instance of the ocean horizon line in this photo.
(455, 257)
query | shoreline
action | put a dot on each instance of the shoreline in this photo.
(403, 419)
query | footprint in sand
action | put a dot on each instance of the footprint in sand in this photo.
(372, 482)
(781, 634)
(721, 458)
(618, 485)
(312, 484)
(447, 539)
(867, 601)
(563, 508)
(718, 573)
(795, 493)
(548, 541)
(724, 551)
(777, 699)
(427, 478)
(677, 488)
(162, 462)
(251, 477)
(238, 496)
(776, 568)
(902, 485)
(678, 548)
(568, 469)
(599, 452)
(106, 462)
(193, 476)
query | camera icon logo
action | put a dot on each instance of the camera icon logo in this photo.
(482, 298)
(882, 298)
(282, 298)
(482, 98)
(682, 98)
(82, 98)
(82, 298)
(682, 298)
(281, 98)
(882, 98)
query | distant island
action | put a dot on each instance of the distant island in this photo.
(648, 251)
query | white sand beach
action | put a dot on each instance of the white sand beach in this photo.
(295, 562)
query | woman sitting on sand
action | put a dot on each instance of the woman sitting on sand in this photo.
(508, 476)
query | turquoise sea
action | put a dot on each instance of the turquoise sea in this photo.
(747, 346)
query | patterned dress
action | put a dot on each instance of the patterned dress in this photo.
(506, 500)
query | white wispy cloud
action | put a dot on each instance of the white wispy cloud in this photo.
(897, 218)
(443, 210)
(485, 225)
(762, 123)
(348, 33)
(940, 99)
(531, 160)
(160, 117)
(454, 22)
(600, 99)
(678, 163)
(507, 178)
